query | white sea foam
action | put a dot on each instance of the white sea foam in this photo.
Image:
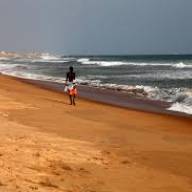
(180, 97)
(42, 58)
(180, 107)
(48, 57)
(182, 65)
(87, 61)
(174, 65)
(8, 68)
(83, 60)
(32, 76)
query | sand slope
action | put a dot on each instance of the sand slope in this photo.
(47, 145)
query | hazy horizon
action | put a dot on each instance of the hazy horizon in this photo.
(84, 27)
(62, 54)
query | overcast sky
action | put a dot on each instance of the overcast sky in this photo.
(97, 26)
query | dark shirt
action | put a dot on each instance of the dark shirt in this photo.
(70, 76)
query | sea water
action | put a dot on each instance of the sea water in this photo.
(158, 77)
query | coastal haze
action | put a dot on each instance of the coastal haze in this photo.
(97, 26)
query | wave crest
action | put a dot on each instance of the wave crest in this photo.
(49, 57)
(87, 61)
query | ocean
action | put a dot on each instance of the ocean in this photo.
(156, 77)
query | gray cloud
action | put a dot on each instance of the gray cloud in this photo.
(97, 26)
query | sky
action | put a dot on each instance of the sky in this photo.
(96, 26)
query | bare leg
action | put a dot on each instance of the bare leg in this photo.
(70, 97)
(73, 99)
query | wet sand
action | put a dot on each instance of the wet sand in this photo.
(48, 145)
(111, 97)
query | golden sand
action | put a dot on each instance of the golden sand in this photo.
(48, 145)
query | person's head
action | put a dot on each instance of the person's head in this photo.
(71, 69)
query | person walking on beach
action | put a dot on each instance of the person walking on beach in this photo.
(71, 86)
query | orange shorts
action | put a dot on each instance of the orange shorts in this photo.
(73, 92)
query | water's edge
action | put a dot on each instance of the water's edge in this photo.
(110, 97)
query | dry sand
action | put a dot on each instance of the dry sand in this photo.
(47, 145)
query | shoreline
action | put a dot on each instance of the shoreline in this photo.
(48, 145)
(109, 97)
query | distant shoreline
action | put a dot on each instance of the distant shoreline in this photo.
(21, 53)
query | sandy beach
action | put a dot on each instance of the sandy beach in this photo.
(48, 145)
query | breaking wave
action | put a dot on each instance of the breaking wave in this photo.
(180, 99)
(87, 61)
(48, 57)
